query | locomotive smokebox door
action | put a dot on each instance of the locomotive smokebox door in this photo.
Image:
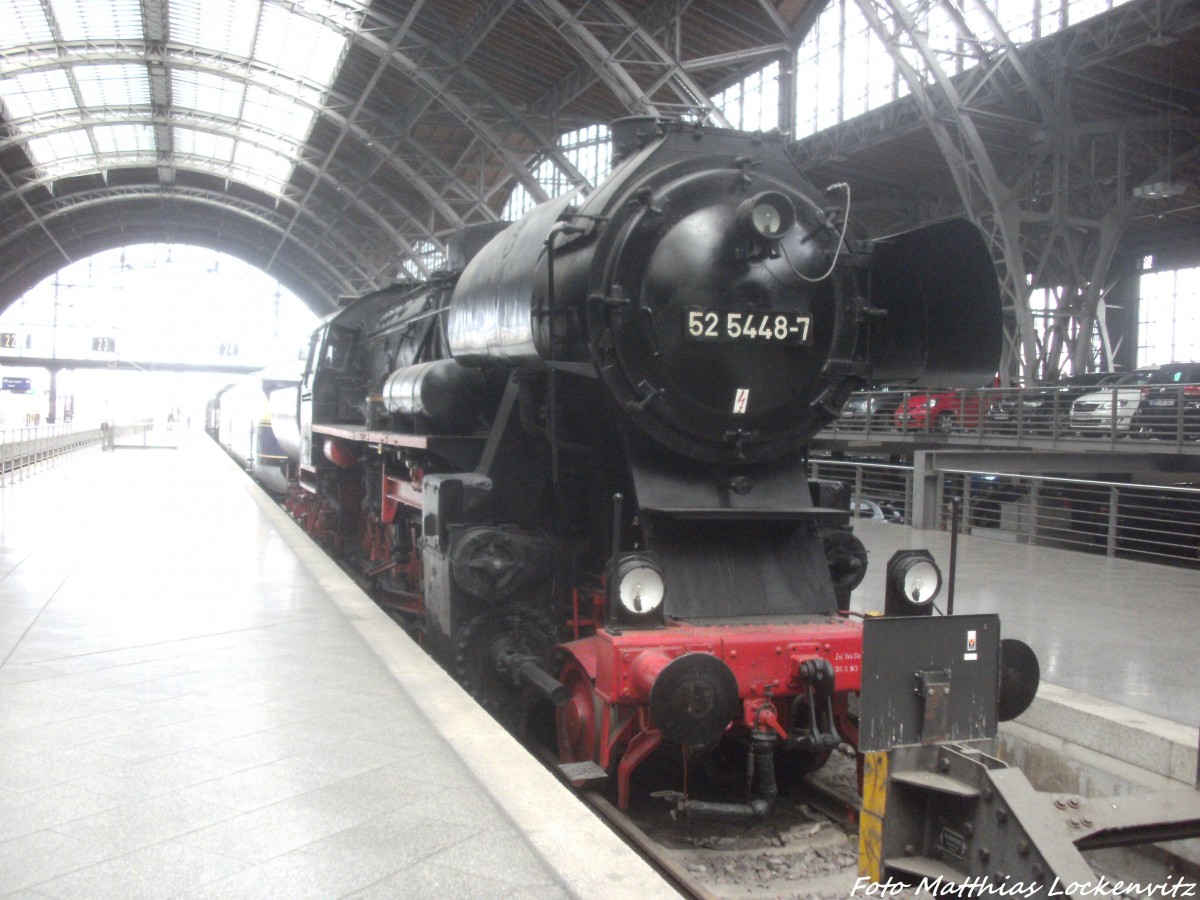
(927, 679)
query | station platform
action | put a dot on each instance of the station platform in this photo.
(1116, 629)
(195, 702)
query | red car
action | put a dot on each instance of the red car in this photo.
(942, 411)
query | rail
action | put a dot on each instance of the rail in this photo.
(26, 450)
(1150, 523)
(1073, 416)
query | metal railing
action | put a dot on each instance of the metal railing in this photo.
(1148, 522)
(145, 434)
(1052, 414)
(1134, 521)
(880, 491)
(26, 450)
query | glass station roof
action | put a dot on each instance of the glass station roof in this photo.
(226, 86)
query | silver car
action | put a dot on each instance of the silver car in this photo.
(1110, 411)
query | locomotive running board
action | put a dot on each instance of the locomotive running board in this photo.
(949, 809)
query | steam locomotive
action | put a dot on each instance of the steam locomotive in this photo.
(574, 462)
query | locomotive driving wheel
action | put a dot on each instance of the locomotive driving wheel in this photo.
(488, 651)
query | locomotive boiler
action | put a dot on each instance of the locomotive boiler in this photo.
(574, 463)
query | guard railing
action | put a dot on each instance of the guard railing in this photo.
(25, 450)
(1151, 523)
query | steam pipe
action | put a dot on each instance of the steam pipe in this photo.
(545, 684)
(762, 760)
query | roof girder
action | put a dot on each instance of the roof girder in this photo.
(211, 123)
(257, 215)
(237, 69)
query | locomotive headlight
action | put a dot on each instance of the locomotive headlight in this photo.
(639, 586)
(769, 215)
(913, 581)
(920, 582)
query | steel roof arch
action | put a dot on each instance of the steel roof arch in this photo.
(204, 123)
(148, 229)
(238, 69)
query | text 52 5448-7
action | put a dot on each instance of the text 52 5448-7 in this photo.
(765, 326)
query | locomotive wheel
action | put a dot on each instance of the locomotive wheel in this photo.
(487, 647)
(578, 720)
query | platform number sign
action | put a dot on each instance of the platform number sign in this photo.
(8, 340)
(104, 345)
(228, 348)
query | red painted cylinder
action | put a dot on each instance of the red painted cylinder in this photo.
(645, 668)
(340, 453)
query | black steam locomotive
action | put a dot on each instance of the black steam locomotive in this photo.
(574, 463)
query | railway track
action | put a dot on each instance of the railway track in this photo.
(808, 848)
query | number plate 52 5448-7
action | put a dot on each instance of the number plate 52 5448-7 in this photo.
(762, 326)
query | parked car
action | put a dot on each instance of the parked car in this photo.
(1111, 410)
(942, 411)
(879, 510)
(872, 410)
(1170, 404)
(1045, 408)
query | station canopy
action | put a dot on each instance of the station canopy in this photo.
(338, 144)
(335, 143)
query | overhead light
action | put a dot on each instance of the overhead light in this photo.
(1159, 190)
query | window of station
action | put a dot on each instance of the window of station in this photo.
(431, 259)
(587, 149)
(1168, 316)
(753, 103)
(843, 70)
(274, 52)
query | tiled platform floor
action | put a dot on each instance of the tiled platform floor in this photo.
(1112, 628)
(195, 703)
